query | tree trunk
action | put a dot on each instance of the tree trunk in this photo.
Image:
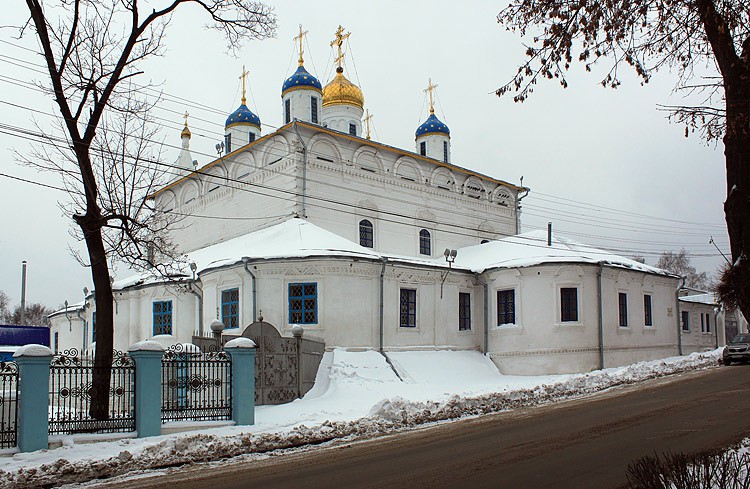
(99, 408)
(737, 205)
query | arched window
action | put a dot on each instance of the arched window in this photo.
(425, 248)
(365, 233)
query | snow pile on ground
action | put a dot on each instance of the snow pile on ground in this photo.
(356, 395)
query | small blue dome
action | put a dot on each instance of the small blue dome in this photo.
(244, 116)
(432, 124)
(300, 78)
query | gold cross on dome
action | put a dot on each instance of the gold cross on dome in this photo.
(301, 36)
(367, 123)
(243, 77)
(339, 42)
(430, 88)
(186, 118)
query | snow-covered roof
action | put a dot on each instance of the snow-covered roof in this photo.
(297, 238)
(294, 238)
(707, 298)
(72, 308)
(529, 249)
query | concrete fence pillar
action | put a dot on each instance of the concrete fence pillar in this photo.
(33, 397)
(242, 353)
(147, 356)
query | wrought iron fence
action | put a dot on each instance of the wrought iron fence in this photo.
(71, 376)
(8, 404)
(196, 386)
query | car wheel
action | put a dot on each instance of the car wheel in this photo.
(727, 362)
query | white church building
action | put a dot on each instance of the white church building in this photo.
(366, 245)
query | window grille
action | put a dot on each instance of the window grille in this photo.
(425, 247)
(464, 311)
(230, 308)
(314, 110)
(408, 309)
(623, 309)
(647, 319)
(568, 304)
(162, 317)
(423, 148)
(506, 306)
(366, 233)
(352, 129)
(303, 303)
(287, 111)
(445, 151)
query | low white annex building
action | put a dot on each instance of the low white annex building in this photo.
(370, 246)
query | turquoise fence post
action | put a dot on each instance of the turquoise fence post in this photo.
(147, 356)
(33, 397)
(242, 353)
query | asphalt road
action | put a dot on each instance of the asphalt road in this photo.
(576, 444)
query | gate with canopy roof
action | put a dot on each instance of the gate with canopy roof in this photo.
(285, 368)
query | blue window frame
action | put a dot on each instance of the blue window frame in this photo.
(622, 299)
(408, 309)
(506, 306)
(303, 303)
(425, 246)
(162, 317)
(230, 308)
(464, 311)
(568, 304)
(314, 110)
(366, 233)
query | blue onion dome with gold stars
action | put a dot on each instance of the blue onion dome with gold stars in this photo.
(432, 125)
(300, 79)
(244, 117)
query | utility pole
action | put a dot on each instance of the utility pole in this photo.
(23, 293)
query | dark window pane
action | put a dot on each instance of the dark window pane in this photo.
(568, 304)
(506, 306)
(366, 233)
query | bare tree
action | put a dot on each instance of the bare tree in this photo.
(679, 264)
(92, 49)
(646, 35)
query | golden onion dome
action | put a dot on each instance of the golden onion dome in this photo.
(341, 91)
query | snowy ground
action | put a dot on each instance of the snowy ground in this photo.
(356, 395)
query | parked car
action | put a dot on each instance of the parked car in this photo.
(738, 349)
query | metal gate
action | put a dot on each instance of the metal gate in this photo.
(285, 367)
(8, 404)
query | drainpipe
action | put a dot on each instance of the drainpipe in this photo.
(304, 176)
(246, 261)
(383, 260)
(518, 207)
(601, 314)
(679, 316)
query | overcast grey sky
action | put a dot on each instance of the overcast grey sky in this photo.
(604, 166)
